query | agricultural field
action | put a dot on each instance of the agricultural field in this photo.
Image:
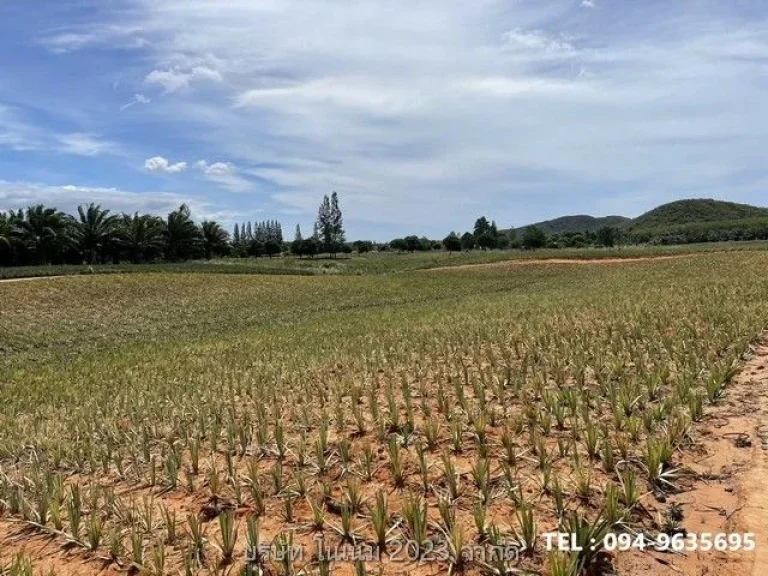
(373, 262)
(387, 419)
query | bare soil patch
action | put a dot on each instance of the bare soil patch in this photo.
(508, 264)
(28, 279)
(727, 493)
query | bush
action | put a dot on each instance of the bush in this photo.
(486, 241)
(452, 242)
(534, 238)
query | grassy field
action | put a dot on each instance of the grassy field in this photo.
(372, 263)
(167, 422)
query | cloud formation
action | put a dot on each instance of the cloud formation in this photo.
(425, 115)
(163, 165)
(224, 174)
(175, 79)
(137, 99)
(67, 197)
(85, 145)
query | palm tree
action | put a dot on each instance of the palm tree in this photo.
(182, 235)
(93, 229)
(141, 235)
(215, 239)
(6, 230)
(43, 231)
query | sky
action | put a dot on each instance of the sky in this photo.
(422, 114)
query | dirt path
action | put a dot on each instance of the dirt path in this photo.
(728, 493)
(29, 279)
(505, 264)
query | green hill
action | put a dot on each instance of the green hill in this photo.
(580, 223)
(687, 212)
(679, 222)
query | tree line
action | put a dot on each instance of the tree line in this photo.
(41, 234)
(46, 235)
(487, 236)
(94, 235)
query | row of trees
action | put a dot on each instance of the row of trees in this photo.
(46, 235)
(257, 239)
(487, 236)
(43, 235)
(328, 235)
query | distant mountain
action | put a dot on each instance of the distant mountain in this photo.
(580, 223)
(678, 215)
(686, 212)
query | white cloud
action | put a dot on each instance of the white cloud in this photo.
(116, 35)
(224, 174)
(175, 79)
(80, 144)
(21, 135)
(68, 42)
(538, 43)
(536, 107)
(67, 197)
(215, 169)
(162, 165)
(16, 134)
(169, 80)
(137, 99)
(502, 86)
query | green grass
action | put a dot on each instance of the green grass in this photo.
(367, 264)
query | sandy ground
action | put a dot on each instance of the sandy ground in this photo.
(509, 264)
(727, 492)
(29, 279)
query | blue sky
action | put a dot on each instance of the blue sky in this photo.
(422, 114)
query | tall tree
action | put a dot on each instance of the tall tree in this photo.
(296, 245)
(43, 231)
(324, 225)
(330, 224)
(7, 230)
(93, 229)
(236, 236)
(278, 232)
(215, 239)
(141, 235)
(481, 227)
(7, 227)
(337, 222)
(182, 235)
